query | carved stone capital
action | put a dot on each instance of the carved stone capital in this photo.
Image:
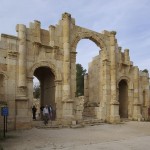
(66, 16)
(119, 48)
(113, 33)
(52, 27)
(58, 82)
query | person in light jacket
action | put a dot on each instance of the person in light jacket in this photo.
(45, 114)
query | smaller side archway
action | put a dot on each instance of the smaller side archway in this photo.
(47, 85)
(45, 72)
(123, 98)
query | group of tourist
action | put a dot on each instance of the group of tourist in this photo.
(47, 113)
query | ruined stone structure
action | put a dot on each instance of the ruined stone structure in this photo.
(114, 88)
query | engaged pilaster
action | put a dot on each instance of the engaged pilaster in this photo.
(86, 89)
(67, 102)
(37, 31)
(52, 35)
(21, 29)
(137, 105)
(126, 56)
(66, 61)
(114, 117)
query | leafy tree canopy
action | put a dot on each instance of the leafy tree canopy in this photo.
(145, 70)
(37, 91)
(80, 72)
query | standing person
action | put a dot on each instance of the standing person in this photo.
(41, 108)
(149, 113)
(45, 114)
(50, 110)
(34, 112)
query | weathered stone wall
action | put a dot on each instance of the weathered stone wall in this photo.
(55, 50)
(138, 84)
(93, 76)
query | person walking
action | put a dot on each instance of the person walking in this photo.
(41, 112)
(34, 109)
(149, 113)
(50, 110)
(45, 114)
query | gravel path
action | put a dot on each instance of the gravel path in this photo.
(128, 136)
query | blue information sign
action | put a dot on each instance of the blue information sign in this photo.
(4, 111)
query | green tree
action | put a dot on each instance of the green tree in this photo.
(145, 70)
(80, 72)
(37, 91)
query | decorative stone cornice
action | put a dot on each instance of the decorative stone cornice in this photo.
(9, 36)
(30, 79)
(114, 103)
(12, 53)
(38, 44)
(58, 82)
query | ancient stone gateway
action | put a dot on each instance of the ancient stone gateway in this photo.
(113, 89)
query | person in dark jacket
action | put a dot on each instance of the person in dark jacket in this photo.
(34, 112)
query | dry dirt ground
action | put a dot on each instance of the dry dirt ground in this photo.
(127, 136)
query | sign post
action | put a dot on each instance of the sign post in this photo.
(4, 112)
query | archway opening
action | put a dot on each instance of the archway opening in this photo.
(123, 99)
(86, 85)
(86, 51)
(46, 79)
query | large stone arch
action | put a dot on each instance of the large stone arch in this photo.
(96, 38)
(127, 79)
(43, 64)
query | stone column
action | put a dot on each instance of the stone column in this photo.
(58, 96)
(86, 88)
(11, 87)
(114, 114)
(106, 94)
(136, 105)
(119, 54)
(52, 35)
(126, 56)
(145, 93)
(23, 118)
(67, 102)
(66, 60)
(73, 74)
(104, 87)
(37, 31)
(130, 103)
(21, 29)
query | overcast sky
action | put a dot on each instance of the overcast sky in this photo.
(130, 18)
